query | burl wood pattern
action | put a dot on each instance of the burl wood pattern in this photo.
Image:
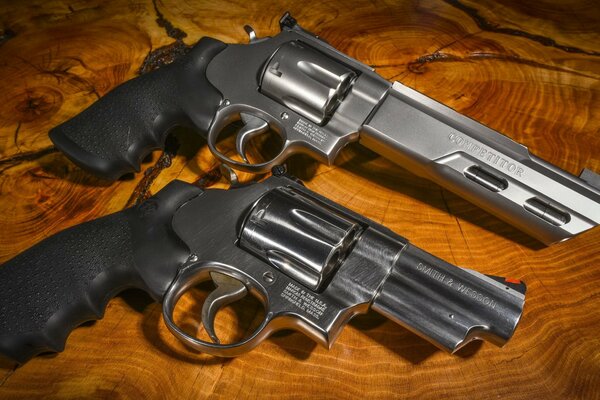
(528, 69)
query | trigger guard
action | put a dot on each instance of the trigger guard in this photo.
(230, 113)
(186, 279)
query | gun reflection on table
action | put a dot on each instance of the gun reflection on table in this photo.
(312, 263)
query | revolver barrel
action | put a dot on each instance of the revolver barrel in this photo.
(481, 165)
(447, 305)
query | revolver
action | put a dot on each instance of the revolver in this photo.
(310, 262)
(317, 100)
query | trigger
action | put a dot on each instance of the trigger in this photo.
(253, 126)
(228, 291)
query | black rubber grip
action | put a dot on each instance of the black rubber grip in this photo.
(69, 278)
(113, 135)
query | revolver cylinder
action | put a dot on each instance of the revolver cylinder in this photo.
(308, 82)
(294, 234)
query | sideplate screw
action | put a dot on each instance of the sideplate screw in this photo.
(268, 277)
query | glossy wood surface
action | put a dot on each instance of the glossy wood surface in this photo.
(528, 69)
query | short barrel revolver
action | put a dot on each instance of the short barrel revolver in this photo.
(310, 262)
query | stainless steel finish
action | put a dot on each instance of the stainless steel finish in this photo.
(229, 290)
(436, 142)
(307, 81)
(188, 277)
(297, 236)
(446, 305)
(229, 174)
(298, 132)
(592, 178)
(253, 126)
(251, 33)
(546, 211)
(486, 179)
(319, 100)
(439, 314)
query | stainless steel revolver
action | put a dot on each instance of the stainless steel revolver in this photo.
(312, 263)
(318, 100)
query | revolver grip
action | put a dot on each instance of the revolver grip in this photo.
(69, 278)
(113, 135)
(447, 305)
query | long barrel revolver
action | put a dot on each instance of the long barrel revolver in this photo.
(318, 100)
(311, 263)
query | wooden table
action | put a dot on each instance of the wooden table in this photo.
(528, 69)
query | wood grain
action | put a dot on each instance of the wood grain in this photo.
(528, 69)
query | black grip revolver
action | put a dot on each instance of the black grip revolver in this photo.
(312, 263)
(316, 100)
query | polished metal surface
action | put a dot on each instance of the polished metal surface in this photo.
(483, 166)
(306, 81)
(592, 178)
(297, 236)
(317, 292)
(457, 306)
(253, 126)
(299, 133)
(229, 290)
(318, 100)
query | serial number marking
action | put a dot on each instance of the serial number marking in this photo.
(304, 300)
(460, 287)
(310, 131)
(486, 154)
